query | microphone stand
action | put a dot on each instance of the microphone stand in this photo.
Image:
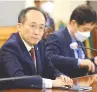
(87, 48)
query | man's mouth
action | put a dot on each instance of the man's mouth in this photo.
(35, 37)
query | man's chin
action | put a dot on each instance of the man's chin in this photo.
(35, 43)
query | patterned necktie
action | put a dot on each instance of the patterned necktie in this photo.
(32, 54)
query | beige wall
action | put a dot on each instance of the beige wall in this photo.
(63, 9)
(29, 3)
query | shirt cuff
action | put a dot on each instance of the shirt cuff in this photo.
(79, 60)
(47, 83)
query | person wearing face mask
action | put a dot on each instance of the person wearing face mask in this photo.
(73, 62)
(47, 7)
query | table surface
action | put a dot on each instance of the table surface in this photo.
(90, 80)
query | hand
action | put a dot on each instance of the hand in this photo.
(87, 63)
(65, 78)
(60, 81)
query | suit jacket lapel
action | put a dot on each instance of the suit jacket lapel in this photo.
(26, 54)
(30, 61)
(38, 60)
(68, 41)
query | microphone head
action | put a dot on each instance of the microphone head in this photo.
(74, 45)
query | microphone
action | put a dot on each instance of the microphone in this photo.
(75, 46)
(17, 82)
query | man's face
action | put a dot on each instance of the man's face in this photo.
(82, 32)
(33, 27)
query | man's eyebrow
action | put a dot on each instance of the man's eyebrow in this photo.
(86, 29)
(42, 24)
(36, 23)
(33, 22)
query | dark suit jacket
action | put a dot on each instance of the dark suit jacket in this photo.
(58, 51)
(15, 61)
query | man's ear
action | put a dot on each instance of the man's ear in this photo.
(73, 23)
(19, 26)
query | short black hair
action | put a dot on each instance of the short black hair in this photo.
(23, 13)
(84, 14)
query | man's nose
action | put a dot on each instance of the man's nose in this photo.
(37, 30)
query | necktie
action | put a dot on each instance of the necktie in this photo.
(32, 51)
(79, 51)
(32, 54)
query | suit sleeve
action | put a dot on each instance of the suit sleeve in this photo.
(13, 68)
(53, 53)
(49, 71)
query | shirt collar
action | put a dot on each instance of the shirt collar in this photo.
(72, 38)
(27, 45)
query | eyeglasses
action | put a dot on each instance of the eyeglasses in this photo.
(35, 26)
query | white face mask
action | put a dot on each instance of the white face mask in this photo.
(47, 7)
(82, 36)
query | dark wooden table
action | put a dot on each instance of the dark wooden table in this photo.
(90, 80)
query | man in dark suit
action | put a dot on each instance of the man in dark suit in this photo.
(15, 56)
(73, 62)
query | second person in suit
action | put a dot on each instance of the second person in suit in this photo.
(73, 62)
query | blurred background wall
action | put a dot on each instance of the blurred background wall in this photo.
(9, 10)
